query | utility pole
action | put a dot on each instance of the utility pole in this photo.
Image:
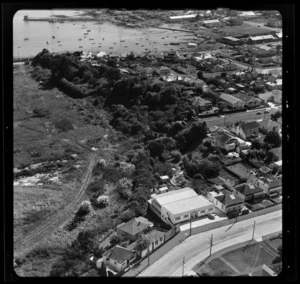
(253, 230)
(211, 244)
(190, 225)
(183, 266)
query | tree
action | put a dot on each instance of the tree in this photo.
(200, 75)
(256, 144)
(114, 240)
(273, 138)
(84, 209)
(141, 245)
(276, 115)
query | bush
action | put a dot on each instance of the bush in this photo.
(101, 202)
(97, 186)
(84, 209)
(64, 125)
(40, 112)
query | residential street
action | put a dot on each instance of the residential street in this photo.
(229, 119)
(196, 248)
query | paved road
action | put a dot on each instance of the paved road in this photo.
(229, 119)
(196, 248)
(37, 235)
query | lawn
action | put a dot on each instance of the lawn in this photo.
(216, 267)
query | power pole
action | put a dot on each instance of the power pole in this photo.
(211, 244)
(183, 266)
(253, 230)
(190, 225)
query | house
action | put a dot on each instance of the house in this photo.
(245, 129)
(118, 258)
(250, 101)
(275, 85)
(232, 101)
(242, 172)
(133, 228)
(225, 141)
(163, 70)
(212, 23)
(189, 69)
(249, 192)
(266, 97)
(226, 202)
(201, 104)
(170, 55)
(155, 238)
(277, 96)
(267, 125)
(177, 206)
(270, 184)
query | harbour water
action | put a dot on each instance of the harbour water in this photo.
(71, 36)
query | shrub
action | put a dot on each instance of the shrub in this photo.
(97, 186)
(40, 112)
(64, 125)
(84, 209)
(101, 202)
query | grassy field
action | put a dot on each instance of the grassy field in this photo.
(237, 261)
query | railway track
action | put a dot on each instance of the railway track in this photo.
(62, 217)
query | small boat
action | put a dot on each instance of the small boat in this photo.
(88, 30)
(125, 46)
(91, 38)
(26, 38)
(80, 39)
(58, 41)
(53, 36)
(102, 38)
(111, 48)
(137, 43)
(115, 43)
(162, 38)
(47, 42)
(122, 40)
(80, 46)
(60, 45)
(86, 33)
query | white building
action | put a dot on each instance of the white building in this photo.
(183, 17)
(181, 205)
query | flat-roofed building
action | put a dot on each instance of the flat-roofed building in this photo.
(180, 205)
(232, 101)
(183, 17)
(212, 23)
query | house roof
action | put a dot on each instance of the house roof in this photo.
(119, 254)
(229, 199)
(262, 37)
(229, 98)
(174, 195)
(248, 126)
(135, 225)
(211, 21)
(244, 97)
(223, 137)
(277, 151)
(271, 180)
(248, 189)
(268, 124)
(188, 204)
(239, 170)
(198, 101)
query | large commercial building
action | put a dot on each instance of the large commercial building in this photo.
(183, 17)
(212, 23)
(180, 205)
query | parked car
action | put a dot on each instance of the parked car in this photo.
(211, 217)
(258, 113)
(266, 111)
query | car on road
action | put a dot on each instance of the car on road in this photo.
(266, 111)
(259, 113)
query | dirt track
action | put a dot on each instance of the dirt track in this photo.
(37, 235)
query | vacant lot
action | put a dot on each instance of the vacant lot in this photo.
(237, 261)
